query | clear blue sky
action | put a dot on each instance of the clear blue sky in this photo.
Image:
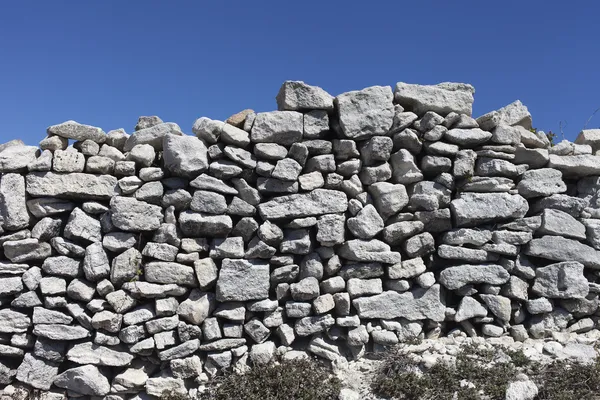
(104, 63)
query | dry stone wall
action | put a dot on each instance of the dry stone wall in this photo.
(333, 226)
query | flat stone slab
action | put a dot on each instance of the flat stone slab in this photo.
(317, 202)
(559, 248)
(243, 280)
(74, 185)
(415, 305)
(472, 209)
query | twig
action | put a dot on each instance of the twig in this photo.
(590, 118)
(560, 126)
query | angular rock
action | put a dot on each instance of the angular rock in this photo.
(152, 135)
(281, 127)
(129, 214)
(298, 96)
(13, 208)
(414, 305)
(541, 182)
(365, 113)
(242, 280)
(37, 372)
(85, 380)
(559, 223)
(563, 280)
(184, 155)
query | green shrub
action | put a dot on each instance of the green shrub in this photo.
(287, 380)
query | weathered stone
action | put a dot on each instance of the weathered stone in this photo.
(25, 250)
(562, 249)
(242, 280)
(513, 114)
(152, 135)
(60, 331)
(456, 277)
(366, 224)
(37, 372)
(89, 353)
(575, 166)
(17, 158)
(564, 280)
(299, 96)
(317, 202)
(125, 267)
(184, 155)
(365, 113)
(74, 185)
(369, 251)
(541, 182)
(470, 209)
(442, 98)
(559, 223)
(414, 305)
(85, 380)
(13, 208)
(467, 138)
(133, 215)
(281, 127)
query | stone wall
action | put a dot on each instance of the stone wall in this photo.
(334, 226)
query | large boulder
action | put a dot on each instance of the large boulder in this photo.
(442, 98)
(472, 209)
(365, 113)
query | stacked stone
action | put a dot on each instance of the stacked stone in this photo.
(332, 226)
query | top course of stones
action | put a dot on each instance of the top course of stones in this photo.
(335, 225)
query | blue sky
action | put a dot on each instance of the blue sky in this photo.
(104, 63)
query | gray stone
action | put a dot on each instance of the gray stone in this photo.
(369, 251)
(169, 272)
(559, 223)
(404, 168)
(298, 96)
(513, 114)
(414, 305)
(287, 170)
(74, 185)
(242, 280)
(76, 131)
(442, 98)
(184, 155)
(317, 202)
(456, 277)
(575, 166)
(85, 380)
(310, 325)
(541, 182)
(37, 372)
(281, 127)
(125, 267)
(69, 160)
(366, 224)
(365, 113)
(468, 138)
(469, 308)
(60, 331)
(153, 135)
(129, 214)
(419, 245)
(26, 250)
(564, 280)
(89, 353)
(17, 158)
(13, 208)
(561, 249)
(470, 209)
